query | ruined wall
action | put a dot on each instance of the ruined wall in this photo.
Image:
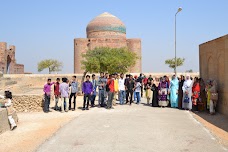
(8, 55)
(214, 65)
(18, 69)
(134, 45)
(3, 47)
(80, 46)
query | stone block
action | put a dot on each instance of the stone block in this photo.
(4, 123)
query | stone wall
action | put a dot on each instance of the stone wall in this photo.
(80, 46)
(7, 56)
(214, 65)
(134, 45)
(28, 103)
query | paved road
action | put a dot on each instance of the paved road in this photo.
(136, 128)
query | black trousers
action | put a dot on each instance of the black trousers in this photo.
(129, 93)
(194, 107)
(86, 100)
(72, 95)
(46, 102)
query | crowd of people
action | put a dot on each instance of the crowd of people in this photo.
(179, 92)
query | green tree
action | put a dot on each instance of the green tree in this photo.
(52, 65)
(171, 62)
(105, 59)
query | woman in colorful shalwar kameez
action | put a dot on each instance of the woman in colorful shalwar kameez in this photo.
(163, 89)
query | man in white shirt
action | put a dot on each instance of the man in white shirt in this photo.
(121, 88)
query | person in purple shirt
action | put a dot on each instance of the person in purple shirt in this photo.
(47, 94)
(87, 89)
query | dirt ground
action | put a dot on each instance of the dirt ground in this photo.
(34, 128)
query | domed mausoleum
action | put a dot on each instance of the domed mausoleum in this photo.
(106, 30)
(106, 26)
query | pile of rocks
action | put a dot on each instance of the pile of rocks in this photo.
(28, 103)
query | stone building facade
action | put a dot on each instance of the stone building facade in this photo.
(214, 65)
(106, 30)
(8, 63)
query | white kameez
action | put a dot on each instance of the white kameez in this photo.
(10, 117)
(187, 86)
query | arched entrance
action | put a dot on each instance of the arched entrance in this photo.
(8, 64)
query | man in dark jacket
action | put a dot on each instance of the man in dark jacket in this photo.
(130, 86)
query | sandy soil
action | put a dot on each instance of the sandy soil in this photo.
(34, 128)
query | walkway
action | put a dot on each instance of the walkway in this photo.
(136, 128)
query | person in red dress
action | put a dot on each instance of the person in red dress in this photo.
(195, 94)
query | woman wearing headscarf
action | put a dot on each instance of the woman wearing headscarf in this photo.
(187, 94)
(155, 92)
(180, 91)
(203, 98)
(163, 89)
(213, 100)
(148, 91)
(208, 87)
(174, 84)
(196, 94)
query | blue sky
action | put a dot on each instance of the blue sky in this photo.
(46, 28)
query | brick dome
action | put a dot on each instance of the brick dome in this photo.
(106, 25)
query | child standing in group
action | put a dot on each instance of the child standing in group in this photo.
(87, 89)
(9, 107)
(47, 95)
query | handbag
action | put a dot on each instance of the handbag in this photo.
(164, 91)
(186, 99)
(214, 96)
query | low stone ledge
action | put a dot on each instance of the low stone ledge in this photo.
(4, 122)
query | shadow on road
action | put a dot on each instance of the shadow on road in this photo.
(219, 120)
